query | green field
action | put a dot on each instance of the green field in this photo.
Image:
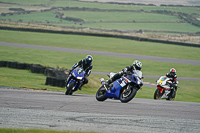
(101, 63)
(189, 91)
(27, 2)
(101, 44)
(114, 16)
(35, 17)
(121, 17)
(70, 3)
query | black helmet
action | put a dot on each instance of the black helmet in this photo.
(88, 59)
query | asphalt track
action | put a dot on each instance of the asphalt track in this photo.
(53, 110)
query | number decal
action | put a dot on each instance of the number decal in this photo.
(123, 83)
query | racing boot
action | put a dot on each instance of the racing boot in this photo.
(80, 85)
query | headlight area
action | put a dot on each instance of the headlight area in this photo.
(80, 78)
(139, 81)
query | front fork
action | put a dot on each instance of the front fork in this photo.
(75, 87)
(161, 90)
(67, 80)
(173, 91)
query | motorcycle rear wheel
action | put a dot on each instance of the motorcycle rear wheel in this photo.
(157, 95)
(101, 94)
(128, 95)
(69, 89)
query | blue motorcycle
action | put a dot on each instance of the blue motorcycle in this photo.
(74, 80)
(123, 89)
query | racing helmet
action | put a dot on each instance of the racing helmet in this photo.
(137, 64)
(172, 71)
(88, 59)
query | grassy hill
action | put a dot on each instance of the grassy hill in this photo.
(169, 21)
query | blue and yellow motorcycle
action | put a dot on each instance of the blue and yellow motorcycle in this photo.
(123, 89)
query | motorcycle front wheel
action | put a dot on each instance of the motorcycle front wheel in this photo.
(127, 95)
(157, 94)
(69, 89)
(172, 96)
(101, 94)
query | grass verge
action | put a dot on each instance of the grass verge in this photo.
(100, 63)
(6, 130)
(188, 90)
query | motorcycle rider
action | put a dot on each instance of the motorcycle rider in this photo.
(86, 64)
(137, 65)
(173, 76)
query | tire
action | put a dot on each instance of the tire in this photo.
(3, 63)
(20, 66)
(101, 94)
(37, 68)
(69, 89)
(128, 95)
(28, 66)
(48, 79)
(12, 64)
(170, 97)
(157, 95)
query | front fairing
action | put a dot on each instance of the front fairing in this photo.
(114, 92)
(77, 76)
(124, 81)
(78, 73)
(163, 82)
(136, 78)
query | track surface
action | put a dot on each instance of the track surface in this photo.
(54, 110)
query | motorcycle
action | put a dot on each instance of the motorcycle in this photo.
(123, 89)
(74, 80)
(165, 90)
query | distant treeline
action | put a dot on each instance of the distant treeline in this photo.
(17, 9)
